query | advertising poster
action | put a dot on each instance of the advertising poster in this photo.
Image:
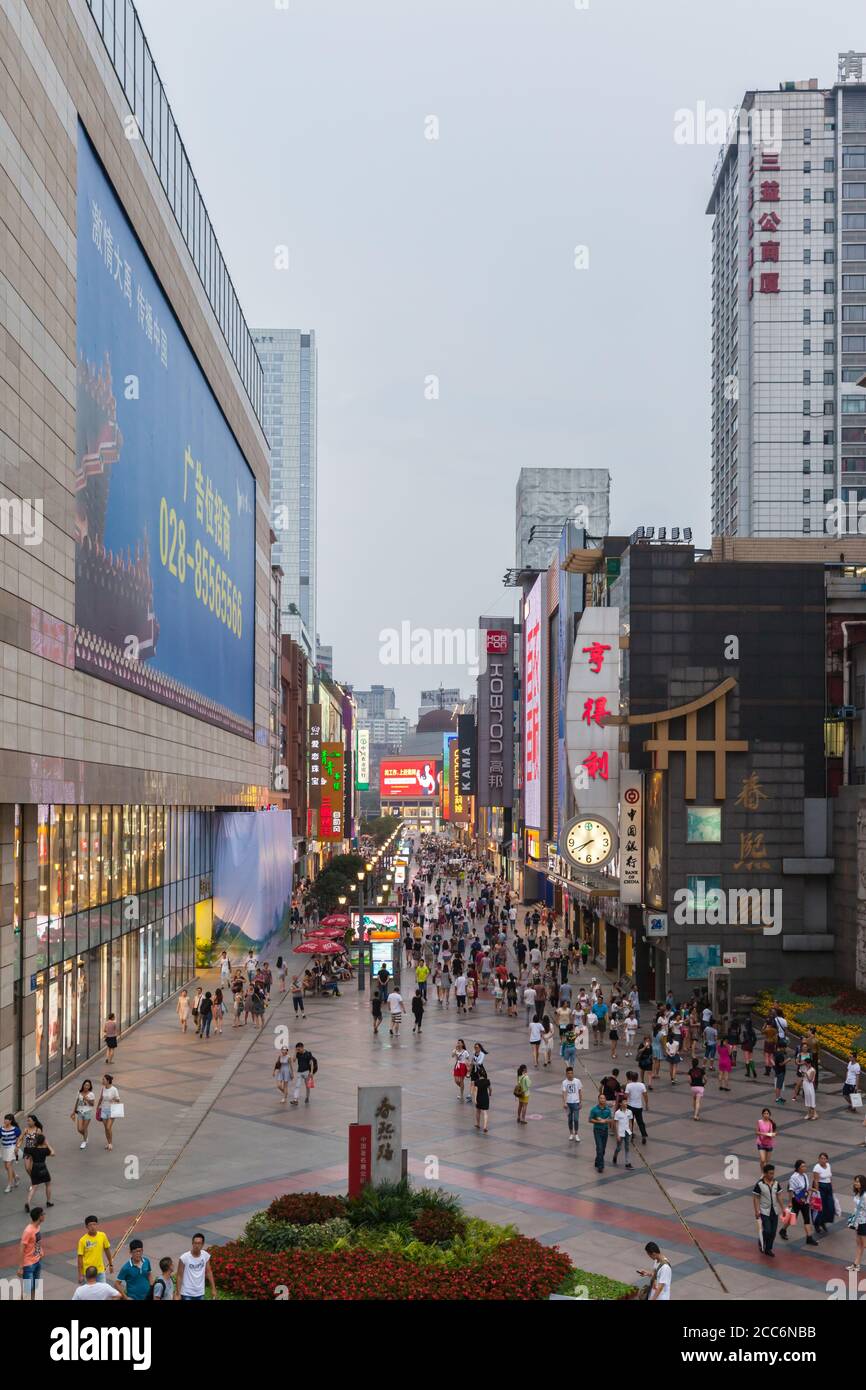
(331, 823)
(164, 499)
(409, 777)
(253, 864)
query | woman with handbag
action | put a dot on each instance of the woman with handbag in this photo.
(83, 1111)
(765, 1135)
(460, 1068)
(798, 1187)
(109, 1107)
(521, 1093)
(39, 1174)
(27, 1143)
(822, 1186)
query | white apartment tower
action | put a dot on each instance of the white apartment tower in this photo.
(288, 358)
(789, 308)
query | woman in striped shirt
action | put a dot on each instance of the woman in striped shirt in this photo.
(10, 1133)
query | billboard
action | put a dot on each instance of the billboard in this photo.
(362, 760)
(252, 884)
(164, 499)
(449, 757)
(315, 737)
(496, 713)
(408, 777)
(532, 705)
(332, 792)
(466, 753)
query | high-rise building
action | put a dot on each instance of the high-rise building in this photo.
(446, 697)
(789, 307)
(378, 700)
(547, 498)
(288, 358)
(325, 657)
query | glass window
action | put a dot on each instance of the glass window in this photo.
(116, 853)
(70, 858)
(703, 824)
(55, 858)
(105, 854)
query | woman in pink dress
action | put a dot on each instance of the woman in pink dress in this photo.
(765, 1134)
(725, 1066)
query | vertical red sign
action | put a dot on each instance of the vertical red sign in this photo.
(360, 1157)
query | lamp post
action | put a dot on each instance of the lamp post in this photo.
(362, 944)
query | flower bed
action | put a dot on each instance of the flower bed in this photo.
(825, 1014)
(520, 1268)
(396, 1243)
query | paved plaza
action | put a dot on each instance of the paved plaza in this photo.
(689, 1189)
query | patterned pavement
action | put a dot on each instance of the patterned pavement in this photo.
(689, 1189)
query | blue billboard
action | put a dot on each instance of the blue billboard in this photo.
(164, 498)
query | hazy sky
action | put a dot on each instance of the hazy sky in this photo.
(454, 257)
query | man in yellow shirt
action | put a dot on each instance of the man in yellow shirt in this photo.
(421, 973)
(94, 1249)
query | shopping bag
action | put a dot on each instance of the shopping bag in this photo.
(856, 1100)
(116, 1110)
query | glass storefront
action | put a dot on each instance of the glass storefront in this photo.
(117, 889)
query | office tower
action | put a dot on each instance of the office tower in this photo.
(288, 358)
(549, 497)
(789, 308)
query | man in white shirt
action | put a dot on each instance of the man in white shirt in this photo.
(637, 1101)
(529, 998)
(93, 1292)
(460, 987)
(535, 956)
(395, 1004)
(572, 1087)
(852, 1078)
(623, 1124)
(660, 1289)
(193, 1269)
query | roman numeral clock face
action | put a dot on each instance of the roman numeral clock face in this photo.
(589, 842)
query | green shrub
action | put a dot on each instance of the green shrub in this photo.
(398, 1203)
(262, 1233)
(597, 1287)
(479, 1240)
(306, 1208)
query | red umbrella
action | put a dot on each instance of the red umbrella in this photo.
(319, 948)
(337, 933)
(335, 919)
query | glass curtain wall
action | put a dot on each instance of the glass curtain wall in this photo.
(117, 888)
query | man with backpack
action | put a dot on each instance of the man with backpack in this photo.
(306, 1067)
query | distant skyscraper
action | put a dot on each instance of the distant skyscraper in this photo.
(288, 357)
(547, 498)
(325, 657)
(789, 307)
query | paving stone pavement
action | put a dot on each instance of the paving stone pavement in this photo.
(689, 1189)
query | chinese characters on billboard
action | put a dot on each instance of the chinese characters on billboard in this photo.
(165, 502)
(532, 706)
(409, 777)
(496, 713)
(331, 792)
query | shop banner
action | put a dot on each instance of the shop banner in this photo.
(331, 822)
(631, 836)
(466, 753)
(533, 704)
(362, 763)
(496, 713)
